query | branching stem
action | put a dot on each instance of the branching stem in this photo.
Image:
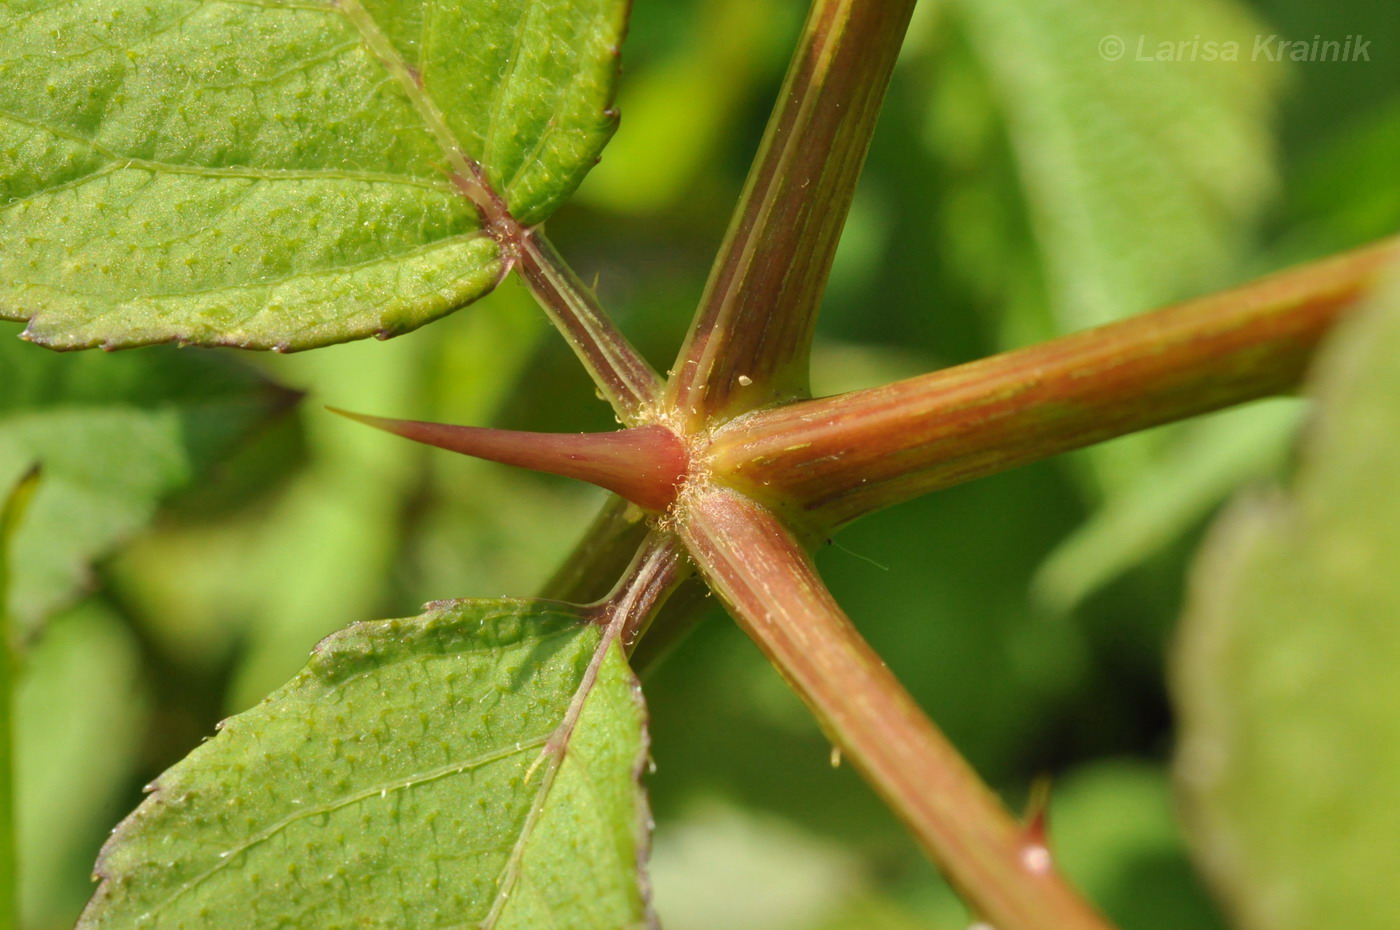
(749, 343)
(624, 378)
(658, 569)
(834, 459)
(771, 587)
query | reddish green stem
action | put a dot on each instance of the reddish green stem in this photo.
(749, 344)
(602, 555)
(655, 572)
(832, 460)
(622, 375)
(770, 585)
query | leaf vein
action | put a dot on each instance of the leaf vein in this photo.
(381, 47)
(493, 124)
(293, 276)
(401, 784)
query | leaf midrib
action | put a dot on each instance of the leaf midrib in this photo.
(410, 82)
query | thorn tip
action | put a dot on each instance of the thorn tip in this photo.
(645, 464)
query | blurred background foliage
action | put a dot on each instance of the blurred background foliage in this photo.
(1020, 185)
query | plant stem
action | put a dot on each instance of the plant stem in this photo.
(832, 460)
(617, 368)
(658, 569)
(607, 551)
(602, 555)
(750, 341)
(769, 584)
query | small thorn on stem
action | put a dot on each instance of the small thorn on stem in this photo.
(1035, 853)
(645, 464)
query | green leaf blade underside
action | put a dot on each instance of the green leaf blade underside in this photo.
(1286, 686)
(386, 785)
(280, 175)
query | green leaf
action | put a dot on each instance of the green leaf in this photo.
(15, 500)
(113, 436)
(720, 48)
(1344, 193)
(281, 174)
(400, 780)
(81, 720)
(1116, 836)
(1137, 174)
(1140, 177)
(1286, 684)
(1212, 457)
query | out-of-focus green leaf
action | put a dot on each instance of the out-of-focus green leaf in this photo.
(711, 72)
(1115, 835)
(1345, 193)
(774, 875)
(325, 549)
(1137, 173)
(1211, 458)
(330, 547)
(281, 175)
(371, 524)
(945, 912)
(13, 504)
(113, 435)
(401, 780)
(1285, 679)
(1139, 176)
(465, 543)
(81, 709)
